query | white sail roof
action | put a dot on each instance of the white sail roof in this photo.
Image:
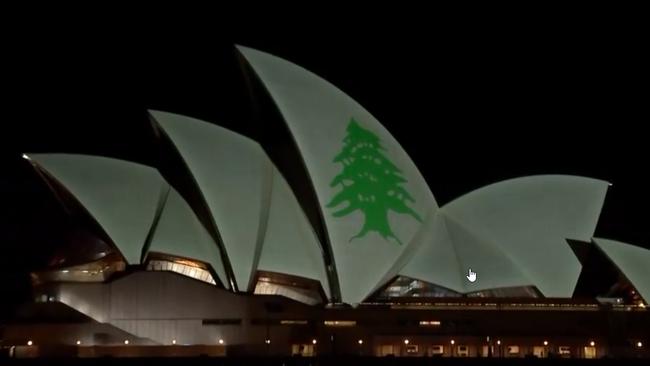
(122, 196)
(233, 175)
(372, 196)
(290, 244)
(380, 217)
(248, 199)
(528, 220)
(179, 233)
(632, 260)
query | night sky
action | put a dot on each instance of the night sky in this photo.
(471, 108)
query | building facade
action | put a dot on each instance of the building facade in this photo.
(322, 237)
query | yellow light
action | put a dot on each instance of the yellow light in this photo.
(187, 263)
(639, 344)
(268, 341)
(173, 341)
(29, 343)
(290, 322)
(406, 341)
(429, 323)
(592, 343)
(499, 342)
(340, 323)
(360, 341)
(126, 341)
(78, 342)
(313, 341)
(453, 341)
(546, 343)
(221, 341)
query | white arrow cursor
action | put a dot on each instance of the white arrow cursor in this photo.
(471, 276)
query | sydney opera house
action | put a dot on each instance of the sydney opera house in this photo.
(321, 237)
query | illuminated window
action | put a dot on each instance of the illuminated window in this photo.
(386, 350)
(520, 292)
(409, 287)
(294, 322)
(429, 323)
(306, 350)
(300, 289)
(463, 351)
(412, 349)
(513, 350)
(539, 351)
(186, 268)
(590, 352)
(340, 323)
(178, 268)
(97, 271)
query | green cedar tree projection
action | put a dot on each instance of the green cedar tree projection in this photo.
(369, 182)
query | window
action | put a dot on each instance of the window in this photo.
(463, 351)
(97, 271)
(177, 268)
(521, 292)
(429, 323)
(304, 290)
(486, 351)
(386, 350)
(293, 322)
(412, 349)
(306, 350)
(513, 350)
(565, 350)
(186, 268)
(340, 323)
(590, 352)
(409, 287)
(437, 349)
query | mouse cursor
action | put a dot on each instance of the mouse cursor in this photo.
(471, 276)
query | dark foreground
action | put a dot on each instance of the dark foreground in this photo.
(337, 361)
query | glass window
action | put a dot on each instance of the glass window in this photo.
(190, 271)
(412, 349)
(386, 350)
(513, 350)
(340, 323)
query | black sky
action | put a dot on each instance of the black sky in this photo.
(471, 107)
